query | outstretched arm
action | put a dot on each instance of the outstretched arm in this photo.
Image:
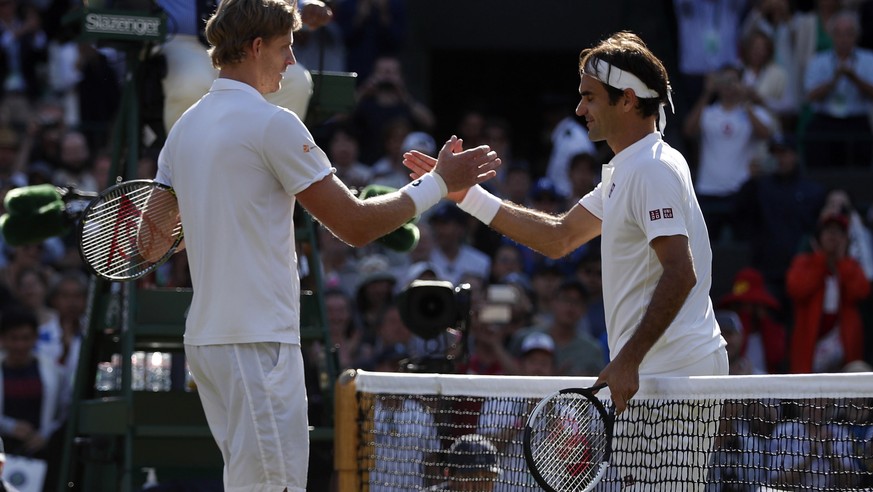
(552, 235)
(358, 222)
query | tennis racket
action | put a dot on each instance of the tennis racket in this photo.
(568, 440)
(129, 229)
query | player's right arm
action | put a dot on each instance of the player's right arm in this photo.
(555, 236)
(552, 235)
(358, 222)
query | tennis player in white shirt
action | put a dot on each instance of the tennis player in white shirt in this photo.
(655, 249)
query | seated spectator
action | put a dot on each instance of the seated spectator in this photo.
(346, 335)
(809, 437)
(505, 261)
(775, 210)
(838, 201)
(744, 434)
(388, 170)
(373, 293)
(10, 165)
(576, 352)
(472, 463)
(502, 419)
(489, 341)
(405, 441)
(76, 165)
(343, 150)
(732, 332)
(825, 286)
(767, 79)
(589, 271)
(763, 339)
(451, 254)
(584, 175)
(33, 396)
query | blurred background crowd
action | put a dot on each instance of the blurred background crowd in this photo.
(773, 102)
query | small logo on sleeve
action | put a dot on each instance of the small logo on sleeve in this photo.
(668, 213)
(306, 148)
(654, 214)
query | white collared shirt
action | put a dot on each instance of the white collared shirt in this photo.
(236, 163)
(647, 193)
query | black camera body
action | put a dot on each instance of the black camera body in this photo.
(430, 307)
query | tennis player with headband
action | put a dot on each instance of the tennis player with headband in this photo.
(656, 254)
(238, 165)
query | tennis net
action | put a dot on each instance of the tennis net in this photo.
(790, 432)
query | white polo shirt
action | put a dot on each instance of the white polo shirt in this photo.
(236, 162)
(647, 192)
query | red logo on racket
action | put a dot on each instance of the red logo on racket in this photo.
(125, 229)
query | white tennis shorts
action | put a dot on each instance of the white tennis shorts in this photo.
(666, 446)
(254, 398)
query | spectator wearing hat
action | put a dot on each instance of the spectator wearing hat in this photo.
(4, 485)
(775, 211)
(472, 464)
(451, 254)
(537, 355)
(374, 292)
(763, 339)
(826, 286)
(389, 169)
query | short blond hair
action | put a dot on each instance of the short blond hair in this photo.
(236, 23)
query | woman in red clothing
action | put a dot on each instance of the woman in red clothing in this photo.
(826, 286)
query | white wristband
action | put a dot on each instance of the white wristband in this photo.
(480, 204)
(426, 191)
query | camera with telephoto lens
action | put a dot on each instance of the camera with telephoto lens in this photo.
(431, 309)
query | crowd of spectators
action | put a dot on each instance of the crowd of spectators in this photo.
(766, 90)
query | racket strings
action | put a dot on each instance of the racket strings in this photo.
(125, 231)
(569, 442)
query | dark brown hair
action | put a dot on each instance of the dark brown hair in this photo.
(625, 50)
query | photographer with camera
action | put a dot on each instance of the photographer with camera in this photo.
(383, 98)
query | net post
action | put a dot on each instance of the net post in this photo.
(346, 433)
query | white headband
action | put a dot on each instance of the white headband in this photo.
(619, 79)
